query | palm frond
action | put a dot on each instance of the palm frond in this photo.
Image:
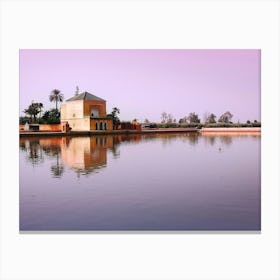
(56, 96)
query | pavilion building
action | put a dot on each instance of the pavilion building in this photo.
(85, 112)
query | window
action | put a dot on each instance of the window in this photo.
(94, 113)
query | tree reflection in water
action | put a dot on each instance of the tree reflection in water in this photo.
(210, 139)
(166, 138)
(86, 155)
(226, 139)
(193, 138)
(33, 151)
(57, 170)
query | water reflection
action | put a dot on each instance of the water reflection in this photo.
(178, 181)
(82, 154)
(33, 150)
(86, 155)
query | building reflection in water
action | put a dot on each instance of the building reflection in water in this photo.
(82, 154)
(85, 155)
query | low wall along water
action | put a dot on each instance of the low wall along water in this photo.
(45, 127)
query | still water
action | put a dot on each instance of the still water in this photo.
(176, 181)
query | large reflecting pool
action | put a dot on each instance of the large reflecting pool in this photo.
(176, 181)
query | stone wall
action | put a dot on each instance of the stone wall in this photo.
(45, 127)
(72, 110)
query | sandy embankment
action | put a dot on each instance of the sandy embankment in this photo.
(232, 130)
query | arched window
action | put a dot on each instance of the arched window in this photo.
(105, 126)
(101, 126)
(94, 113)
(96, 126)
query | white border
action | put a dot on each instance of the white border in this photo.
(140, 24)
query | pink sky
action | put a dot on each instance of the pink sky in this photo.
(144, 83)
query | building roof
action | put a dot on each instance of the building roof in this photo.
(85, 96)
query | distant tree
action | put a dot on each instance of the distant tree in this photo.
(114, 115)
(169, 118)
(248, 122)
(206, 116)
(256, 124)
(211, 118)
(24, 120)
(51, 116)
(174, 120)
(40, 105)
(56, 96)
(183, 120)
(146, 121)
(164, 117)
(135, 120)
(33, 110)
(226, 117)
(193, 118)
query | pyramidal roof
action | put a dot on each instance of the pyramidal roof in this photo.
(85, 96)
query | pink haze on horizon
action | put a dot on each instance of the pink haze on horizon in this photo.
(144, 83)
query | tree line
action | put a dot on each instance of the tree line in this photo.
(51, 116)
(193, 120)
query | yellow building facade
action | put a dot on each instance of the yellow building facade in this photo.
(85, 112)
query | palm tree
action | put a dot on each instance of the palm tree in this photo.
(33, 110)
(56, 96)
(40, 105)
